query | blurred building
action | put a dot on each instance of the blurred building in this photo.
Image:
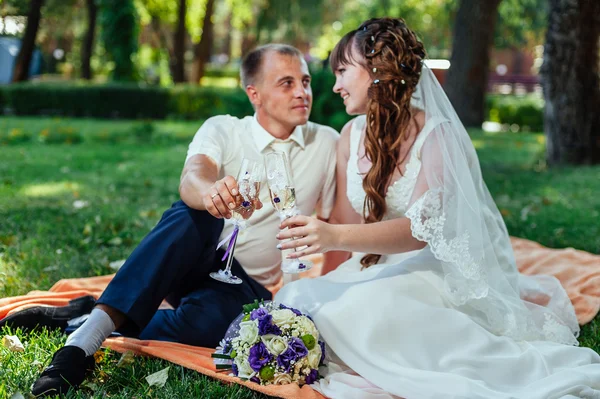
(9, 48)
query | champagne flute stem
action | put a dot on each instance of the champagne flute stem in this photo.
(293, 238)
(230, 256)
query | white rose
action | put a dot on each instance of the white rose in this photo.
(282, 317)
(275, 344)
(244, 369)
(314, 356)
(248, 332)
(282, 379)
(307, 327)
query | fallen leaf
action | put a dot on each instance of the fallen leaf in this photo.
(116, 265)
(116, 241)
(98, 357)
(80, 204)
(126, 359)
(159, 378)
(13, 343)
(90, 385)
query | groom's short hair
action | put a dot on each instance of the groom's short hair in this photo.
(252, 63)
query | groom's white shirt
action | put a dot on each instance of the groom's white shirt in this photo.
(227, 139)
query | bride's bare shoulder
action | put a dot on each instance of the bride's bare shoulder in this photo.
(344, 141)
(418, 117)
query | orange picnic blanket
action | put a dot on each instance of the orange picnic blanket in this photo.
(578, 271)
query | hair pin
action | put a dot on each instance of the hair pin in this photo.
(376, 81)
(374, 70)
(372, 38)
(403, 81)
(372, 51)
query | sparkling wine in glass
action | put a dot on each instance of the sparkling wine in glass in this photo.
(283, 198)
(248, 180)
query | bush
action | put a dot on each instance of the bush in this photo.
(13, 136)
(526, 112)
(192, 102)
(60, 135)
(135, 101)
(328, 107)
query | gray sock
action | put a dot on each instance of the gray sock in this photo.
(92, 332)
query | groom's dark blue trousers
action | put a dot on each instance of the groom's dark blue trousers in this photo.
(173, 262)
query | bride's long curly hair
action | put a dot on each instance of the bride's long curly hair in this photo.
(393, 56)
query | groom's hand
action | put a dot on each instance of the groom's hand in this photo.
(221, 198)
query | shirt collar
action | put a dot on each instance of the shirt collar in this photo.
(263, 139)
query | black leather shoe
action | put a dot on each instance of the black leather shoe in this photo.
(67, 370)
(51, 317)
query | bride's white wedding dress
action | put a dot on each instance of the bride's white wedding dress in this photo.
(454, 320)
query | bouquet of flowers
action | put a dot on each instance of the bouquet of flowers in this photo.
(270, 343)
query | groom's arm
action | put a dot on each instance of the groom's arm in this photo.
(198, 176)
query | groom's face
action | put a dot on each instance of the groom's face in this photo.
(283, 96)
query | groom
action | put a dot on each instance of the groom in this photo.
(174, 260)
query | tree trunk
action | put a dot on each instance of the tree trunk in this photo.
(88, 41)
(178, 58)
(571, 82)
(227, 42)
(21, 71)
(466, 82)
(203, 49)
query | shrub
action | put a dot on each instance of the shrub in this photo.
(525, 111)
(13, 136)
(60, 135)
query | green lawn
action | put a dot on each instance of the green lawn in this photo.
(71, 210)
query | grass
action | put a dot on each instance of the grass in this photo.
(71, 210)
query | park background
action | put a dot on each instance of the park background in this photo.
(99, 99)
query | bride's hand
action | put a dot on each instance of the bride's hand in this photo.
(315, 235)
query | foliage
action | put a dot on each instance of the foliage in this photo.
(119, 33)
(128, 100)
(527, 112)
(60, 135)
(13, 136)
(521, 23)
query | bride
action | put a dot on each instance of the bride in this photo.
(433, 305)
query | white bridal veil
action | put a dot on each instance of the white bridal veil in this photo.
(452, 210)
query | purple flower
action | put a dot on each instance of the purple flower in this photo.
(296, 311)
(258, 313)
(255, 379)
(322, 345)
(295, 351)
(234, 369)
(312, 376)
(259, 356)
(266, 326)
(285, 359)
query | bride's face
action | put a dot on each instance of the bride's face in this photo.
(352, 82)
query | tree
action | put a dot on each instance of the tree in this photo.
(571, 82)
(119, 35)
(88, 41)
(203, 48)
(466, 82)
(34, 15)
(178, 57)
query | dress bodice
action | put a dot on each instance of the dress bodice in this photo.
(399, 192)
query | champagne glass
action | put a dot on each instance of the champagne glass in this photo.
(283, 198)
(248, 180)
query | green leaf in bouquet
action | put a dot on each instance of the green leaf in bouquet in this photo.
(249, 307)
(309, 341)
(267, 373)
